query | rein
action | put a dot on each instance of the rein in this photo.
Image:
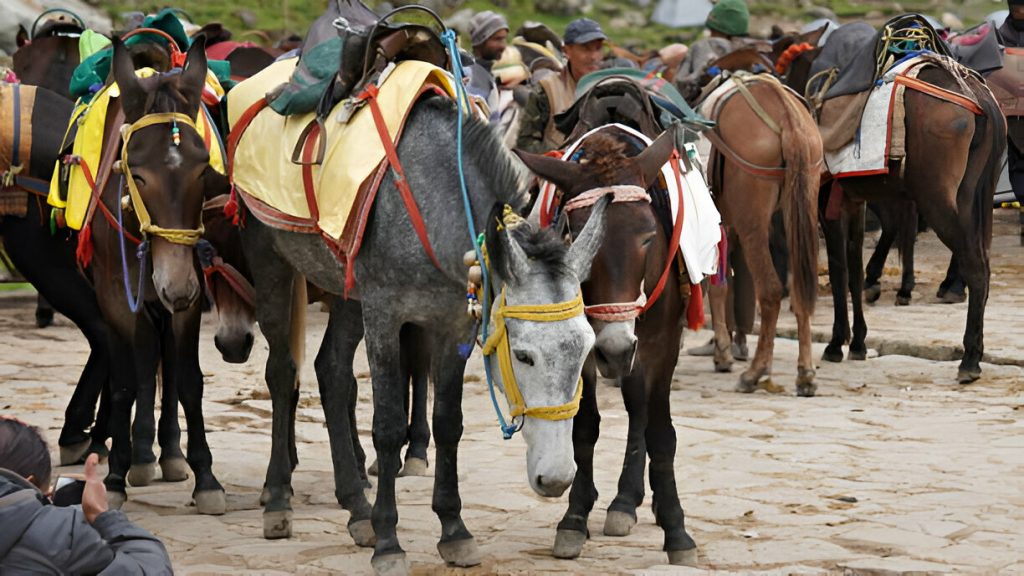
(187, 237)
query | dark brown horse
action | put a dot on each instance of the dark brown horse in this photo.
(49, 57)
(767, 157)
(636, 343)
(950, 171)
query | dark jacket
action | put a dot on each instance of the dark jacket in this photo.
(39, 538)
(1010, 36)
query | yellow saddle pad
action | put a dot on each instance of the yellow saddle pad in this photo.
(88, 146)
(262, 162)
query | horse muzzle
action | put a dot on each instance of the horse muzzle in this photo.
(174, 276)
(615, 349)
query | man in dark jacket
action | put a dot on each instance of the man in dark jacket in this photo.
(1012, 34)
(40, 538)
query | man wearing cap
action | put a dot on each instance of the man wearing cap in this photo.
(728, 23)
(554, 94)
(488, 32)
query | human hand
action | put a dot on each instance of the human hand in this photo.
(94, 497)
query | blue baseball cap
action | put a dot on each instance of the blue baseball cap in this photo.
(582, 31)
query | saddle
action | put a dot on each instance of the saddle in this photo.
(978, 49)
(346, 48)
(856, 55)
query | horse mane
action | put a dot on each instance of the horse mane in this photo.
(542, 245)
(492, 159)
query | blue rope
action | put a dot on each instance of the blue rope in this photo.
(133, 301)
(448, 37)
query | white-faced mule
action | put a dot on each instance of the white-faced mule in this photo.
(399, 286)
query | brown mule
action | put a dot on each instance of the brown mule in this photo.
(767, 155)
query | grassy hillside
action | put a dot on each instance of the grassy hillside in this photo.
(295, 15)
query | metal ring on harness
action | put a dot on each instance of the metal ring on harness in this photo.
(188, 237)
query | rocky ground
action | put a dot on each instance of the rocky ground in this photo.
(892, 469)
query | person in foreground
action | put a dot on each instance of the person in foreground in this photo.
(40, 538)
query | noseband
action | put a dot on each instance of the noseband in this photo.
(619, 311)
(187, 237)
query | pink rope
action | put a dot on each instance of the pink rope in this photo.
(620, 194)
(618, 312)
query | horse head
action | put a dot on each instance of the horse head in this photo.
(49, 57)
(633, 253)
(547, 337)
(166, 167)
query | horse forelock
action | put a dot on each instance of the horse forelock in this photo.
(605, 156)
(165, 93)
(543, 246)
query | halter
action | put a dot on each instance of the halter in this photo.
(187, 237)
(498, 342)
(619, 311)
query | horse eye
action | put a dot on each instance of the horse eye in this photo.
(524, 357)
(139, 180)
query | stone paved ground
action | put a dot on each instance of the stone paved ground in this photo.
(892, 469)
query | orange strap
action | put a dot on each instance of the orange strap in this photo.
(677, 232)
(308, 185)
(940, 93)
(370, 94)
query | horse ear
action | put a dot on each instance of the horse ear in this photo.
(585, 246)
(518, 261)
(22, 37)
(651, 160)
(214, 183)
(814, 37)
(193, 77)
(564, 175)
(133, 97)
(779, 46)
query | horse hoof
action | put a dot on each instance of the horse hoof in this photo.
(951, 297)
(568, 544)
(116, 499)
(618, 523)
(211, 502)
(74, 454)
(723, 367)
(44, 318)
(805, 386)
(858, 355)
(174, 469)
(832, 355)
(746, 385)
(277, 524)
(372, 470)
(390, 565)
(966, 376)
(683, 557)
(141, 474)
(414, 467)
(902, 300)
(362, 533)
(872, 293)
(462, 553)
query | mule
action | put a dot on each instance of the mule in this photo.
(637, 343)
(769, 157)
(400, 287)
(953, 186)
(49, 57)
(166, 169)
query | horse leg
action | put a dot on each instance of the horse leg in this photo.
(855, 275)
(622, 511)
(457, 546)
(586, 428)
(835, 247)
(742, 294)
(719, 296)
(417, 364)
(952, 290)
(661, 448)
(876, 264)
(188, 378)
(390, 426)
(779, 250)
(173, 466)
(334, 374)
(908, 239)
(769, 295)
(143, 468)
(44, 312)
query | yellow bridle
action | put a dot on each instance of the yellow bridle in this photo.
(146, 226)
(498, 342)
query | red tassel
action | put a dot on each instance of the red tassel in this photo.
(83, 253)
(695, 308)
(231, 207)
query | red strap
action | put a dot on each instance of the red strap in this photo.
(236, 132)
(308, 185)
(234, 278)
(98, 202)
(677, 232)
(547, 209)
(940, 93)
(370, 94)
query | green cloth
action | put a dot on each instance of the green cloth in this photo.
(91, 42)
(94, 69)
(310, 79)
(729, 17)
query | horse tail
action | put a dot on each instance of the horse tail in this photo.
(802, 153)
(991, 125)
(297, 333)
